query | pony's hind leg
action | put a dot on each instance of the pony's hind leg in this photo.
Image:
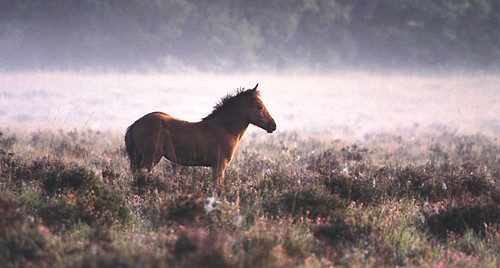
(151, 154)
(135, 165)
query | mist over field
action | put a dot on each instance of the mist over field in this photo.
(341, 66)
(341, 104)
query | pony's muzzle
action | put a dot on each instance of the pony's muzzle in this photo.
(271, 127)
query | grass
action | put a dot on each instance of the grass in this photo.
(430, 199)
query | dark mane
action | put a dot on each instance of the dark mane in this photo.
(229, 100)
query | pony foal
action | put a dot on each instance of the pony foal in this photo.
(210, 142)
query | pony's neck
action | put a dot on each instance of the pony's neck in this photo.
(233, 122)
(235, 127)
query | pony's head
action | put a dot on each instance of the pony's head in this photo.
(257, 112)
(245, 105)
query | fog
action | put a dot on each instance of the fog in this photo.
(340, 67)
(240, 35)
(339, 104)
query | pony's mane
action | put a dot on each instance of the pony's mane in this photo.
(229, 100)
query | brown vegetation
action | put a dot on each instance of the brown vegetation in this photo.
(68, 199)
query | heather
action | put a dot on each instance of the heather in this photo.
(426, 198)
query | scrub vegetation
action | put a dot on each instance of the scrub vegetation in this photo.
(422, 198)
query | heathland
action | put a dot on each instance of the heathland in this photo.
(386, 152)
(423, 197)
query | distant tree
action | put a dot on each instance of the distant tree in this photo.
(227, 35)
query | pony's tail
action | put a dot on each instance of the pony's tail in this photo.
(133, 154)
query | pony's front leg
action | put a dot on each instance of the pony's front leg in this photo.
(218, 173)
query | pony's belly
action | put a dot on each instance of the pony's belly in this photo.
(189, 161)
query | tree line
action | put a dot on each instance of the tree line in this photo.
(240, 35)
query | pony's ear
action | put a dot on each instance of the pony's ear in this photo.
(255, 88)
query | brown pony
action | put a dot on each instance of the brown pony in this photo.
(210, 142)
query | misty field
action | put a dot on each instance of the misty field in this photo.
(363, 171)
(385, 154)
(344, 104)
(417, 198)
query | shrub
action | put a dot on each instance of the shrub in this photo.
(102, 256)
(36, 172)
(420, 182)
(311, 201)
(340, 232)
(451, 148)
(7, 142)
(184, 210)
(76, 195)
(332, 159)
(256, 250)
(356, 188)
(325, 162)
(22, 242)
(475, 215)
(200, 249)
(74, 179)
(144, 184)
(471, 181)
